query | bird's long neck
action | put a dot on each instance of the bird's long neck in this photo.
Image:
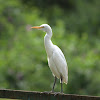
(48, 43)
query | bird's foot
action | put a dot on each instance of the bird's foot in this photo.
(48, 92)
(56, 93)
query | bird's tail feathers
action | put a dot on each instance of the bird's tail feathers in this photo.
(65, 80)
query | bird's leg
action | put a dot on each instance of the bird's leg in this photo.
(61, 85)
(54, 84)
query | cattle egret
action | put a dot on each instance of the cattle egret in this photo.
(55, 56)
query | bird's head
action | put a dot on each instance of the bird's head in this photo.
(45, 27)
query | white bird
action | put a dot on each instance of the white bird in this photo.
(55, 56)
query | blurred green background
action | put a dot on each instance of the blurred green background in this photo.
(76, 28)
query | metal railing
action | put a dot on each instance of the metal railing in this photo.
(31, 95)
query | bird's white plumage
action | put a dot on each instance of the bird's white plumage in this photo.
(56, 59)
(58, 65)
(61, 64)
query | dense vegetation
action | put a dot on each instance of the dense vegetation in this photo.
(76, 28)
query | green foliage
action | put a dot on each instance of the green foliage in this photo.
(42, 4)
(23, 63)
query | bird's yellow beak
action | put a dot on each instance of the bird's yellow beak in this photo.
(37, 27)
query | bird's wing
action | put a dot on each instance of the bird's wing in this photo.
(60, 62)
(60, 52)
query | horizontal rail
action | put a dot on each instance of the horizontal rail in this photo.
(31, 95)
